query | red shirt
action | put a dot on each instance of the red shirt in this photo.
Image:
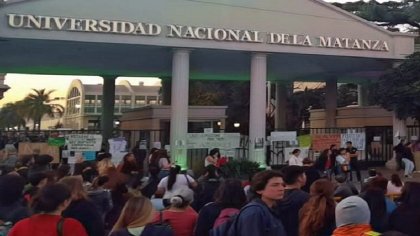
(182, 223)
(46, 225)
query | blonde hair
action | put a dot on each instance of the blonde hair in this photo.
(137, 212)
(104, 165)
(75, 184)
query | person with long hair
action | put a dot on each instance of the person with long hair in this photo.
(135, 217)
(395, 184)
(230, 194)
(316, 217)
(81, 208)
(376, 201)
(48, 205)
(406, 218)
(168, 185)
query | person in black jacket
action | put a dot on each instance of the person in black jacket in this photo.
(230, 194)
(288, 208)
(81, 208)
(12, 208)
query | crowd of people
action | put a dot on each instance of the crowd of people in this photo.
(100, 198)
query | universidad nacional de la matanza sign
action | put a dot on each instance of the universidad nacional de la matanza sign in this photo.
(54, 23)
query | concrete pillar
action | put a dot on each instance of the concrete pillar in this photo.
(166, 90)
(281, 106)
(108, 102)
(399, 128)
(331, 103)
(362, 95)
(3, 87)
(257, 117)
(179, 106)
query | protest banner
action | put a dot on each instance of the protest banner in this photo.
(305, 140)
(324, 141)
(41, 148)
(358, 140)
(283, 136)
(84, 142)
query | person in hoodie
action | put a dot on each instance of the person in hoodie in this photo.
(352, 217)
(294, 198)
(257, 218)
(12, 208)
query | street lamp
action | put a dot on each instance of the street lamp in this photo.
(236, 124)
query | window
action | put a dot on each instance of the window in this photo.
(89, 100)
(99, 99)
(89, 109)
(151, 99)
(117, 99)
(126, 100)
(140, 100)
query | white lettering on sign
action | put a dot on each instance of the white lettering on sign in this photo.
(190, 32)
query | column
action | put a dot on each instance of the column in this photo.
(257, 117)
(399, 128)
(166, 90)
(281, 106)
(330, 103)
(179, 106)
(108, 101)
(362, 95)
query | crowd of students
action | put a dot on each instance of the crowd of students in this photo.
(99, 198)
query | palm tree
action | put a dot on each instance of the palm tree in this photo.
(39, 103)
(12, 115)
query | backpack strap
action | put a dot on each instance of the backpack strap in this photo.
(60, 225)
(253, 204)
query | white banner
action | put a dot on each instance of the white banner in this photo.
(358, 140)
(213, 140)
(290, 136)
(84, 142)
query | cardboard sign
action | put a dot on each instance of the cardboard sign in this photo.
(42, 148)
(324, 141)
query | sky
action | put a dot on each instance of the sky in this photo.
(22, 84)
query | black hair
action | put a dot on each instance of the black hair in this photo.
(62, 171)
(375, 199)
(372, 172)
(411, 194)
(296, 151)
(35, 178)
(349, 142)
(173, 172)
(42, 159)
(211, 171)
(11, 188)
(332, 145)
(341, 149)
(395, 180)
(292, 173)
(49, 198)
(103, 155)
(101, 180)
(230, 194)
(214, 151)
(89, 175)
(260, 180)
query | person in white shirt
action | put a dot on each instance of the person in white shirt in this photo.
(169, 184)
(294, 159)
(395, 185)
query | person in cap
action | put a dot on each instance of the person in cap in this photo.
(352, 217)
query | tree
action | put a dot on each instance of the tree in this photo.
(387, 14)
(39, 104)
(13, 115)
(347, 95)
(399, 89)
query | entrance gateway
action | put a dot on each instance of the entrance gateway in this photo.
(265, 40)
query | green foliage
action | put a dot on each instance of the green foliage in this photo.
(242, 169)
(347, 95)
(399, 89)
(388, 14)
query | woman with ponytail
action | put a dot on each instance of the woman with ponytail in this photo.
(134, 219)
(175, 181)
(317, 218)
(48, 205)
(180, 215)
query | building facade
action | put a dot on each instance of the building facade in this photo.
(84, 102)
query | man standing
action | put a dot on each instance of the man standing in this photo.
(288, 208)
(354, 161)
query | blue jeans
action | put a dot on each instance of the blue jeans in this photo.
(408, 166)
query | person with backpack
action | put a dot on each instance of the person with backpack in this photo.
(228, 200)
(257, 218)
(135, 220)
(48, 206)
